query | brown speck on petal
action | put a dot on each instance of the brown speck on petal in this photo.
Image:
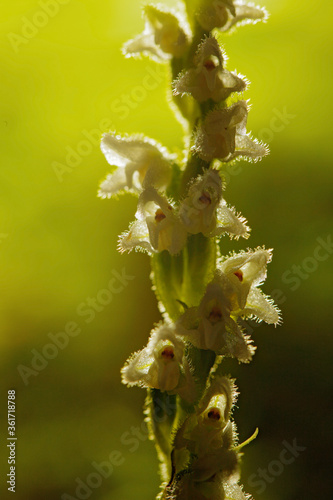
(239, 275)
(168, 353)
(205, 199)
(159, 215)
(215, 315)
(209, 65)
(214, 414)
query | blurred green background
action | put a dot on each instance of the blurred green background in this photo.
(66, 79)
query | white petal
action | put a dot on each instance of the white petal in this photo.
(229, 222)
(262, 307)
(144, 44)
(115, 149)
(137, 237)
(234, 491)
(113, 183)
(246, 13)
(165, 35)
(252, 263)
(145, 163)
(136, 368)
(251, 148)
(120, 150)
(243, 271)
(169, 30)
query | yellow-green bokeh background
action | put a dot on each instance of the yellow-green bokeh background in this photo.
(58, 245)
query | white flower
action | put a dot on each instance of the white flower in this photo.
(141, 162)
(202, 431)
(158, 226)
(204, 211)
(198, 210)
(208, 80)
(210, 325)
(224, 14)
(240, 275)
(222, 135)
(166, 35)
(161, 365)
(208, 433)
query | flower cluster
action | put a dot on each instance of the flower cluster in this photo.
(181, 215)
(211, 325)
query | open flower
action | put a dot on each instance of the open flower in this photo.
(240, 275)
(210, 325)
(202, 431)
(198, 209)
(165, 35)
(161, 365)
(223, 135)
(224, 14)
(141, 162)
(158, 226)
(208, 80)
(204, 211)
(209, 435)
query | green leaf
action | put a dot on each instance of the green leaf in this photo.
(160, 411)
